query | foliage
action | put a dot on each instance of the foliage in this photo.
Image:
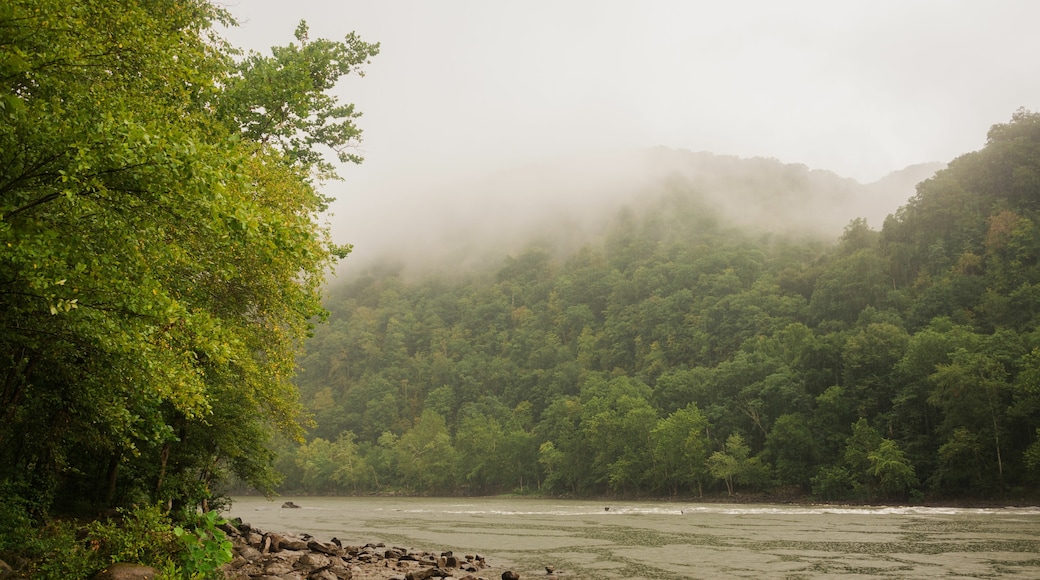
(888, 364)
(206, 548)
(163, 254)
(68, 549)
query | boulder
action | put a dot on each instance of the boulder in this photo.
(249, 553)
(312, 561)
(272, 543)
(290, 505)
(421, 574)
(124, 571)
(510, 575)
(322, 548)
(278, 568)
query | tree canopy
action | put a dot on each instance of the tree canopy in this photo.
(681, 352)
(162, 247)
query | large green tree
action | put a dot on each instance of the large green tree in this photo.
(162, 248)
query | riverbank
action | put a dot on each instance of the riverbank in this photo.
(263, 555)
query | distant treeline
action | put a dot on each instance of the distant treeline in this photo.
(684, 355)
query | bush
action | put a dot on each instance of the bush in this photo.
(834, 483)
(206, 547)
(69, 550)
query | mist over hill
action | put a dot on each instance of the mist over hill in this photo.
(566, 203)
(695, 323)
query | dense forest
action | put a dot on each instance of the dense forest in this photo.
(684, 352)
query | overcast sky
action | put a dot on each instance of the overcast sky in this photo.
(857, 87)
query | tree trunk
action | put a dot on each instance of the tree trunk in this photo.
(113, 471)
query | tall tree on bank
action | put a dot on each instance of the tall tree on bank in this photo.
(162, 252)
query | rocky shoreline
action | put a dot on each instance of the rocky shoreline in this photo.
(260, 555)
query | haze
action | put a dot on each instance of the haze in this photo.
(470, 100)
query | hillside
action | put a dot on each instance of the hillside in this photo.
(708, 337)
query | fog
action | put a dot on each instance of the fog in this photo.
(473, 220)
(485, 116)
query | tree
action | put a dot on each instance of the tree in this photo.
(735, 465)
(680, 447)
(863, 441)
(479, 441)
(163, 255)
(792, 450)
(972, 392)
(425, 455)
(893, 472)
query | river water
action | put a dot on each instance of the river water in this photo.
(583, 539)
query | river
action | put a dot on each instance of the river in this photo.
(651, 540)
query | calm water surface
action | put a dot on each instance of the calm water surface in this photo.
(675, 540)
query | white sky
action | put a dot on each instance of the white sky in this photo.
(857, 87)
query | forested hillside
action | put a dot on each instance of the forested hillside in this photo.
(687, 351)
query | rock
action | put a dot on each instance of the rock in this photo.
(319, 547)
(290, 505)
(123, 571)
(314, 561)
(510, 575)
(278, 568)
(249, 553)
(262, 555)
(273, 543)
